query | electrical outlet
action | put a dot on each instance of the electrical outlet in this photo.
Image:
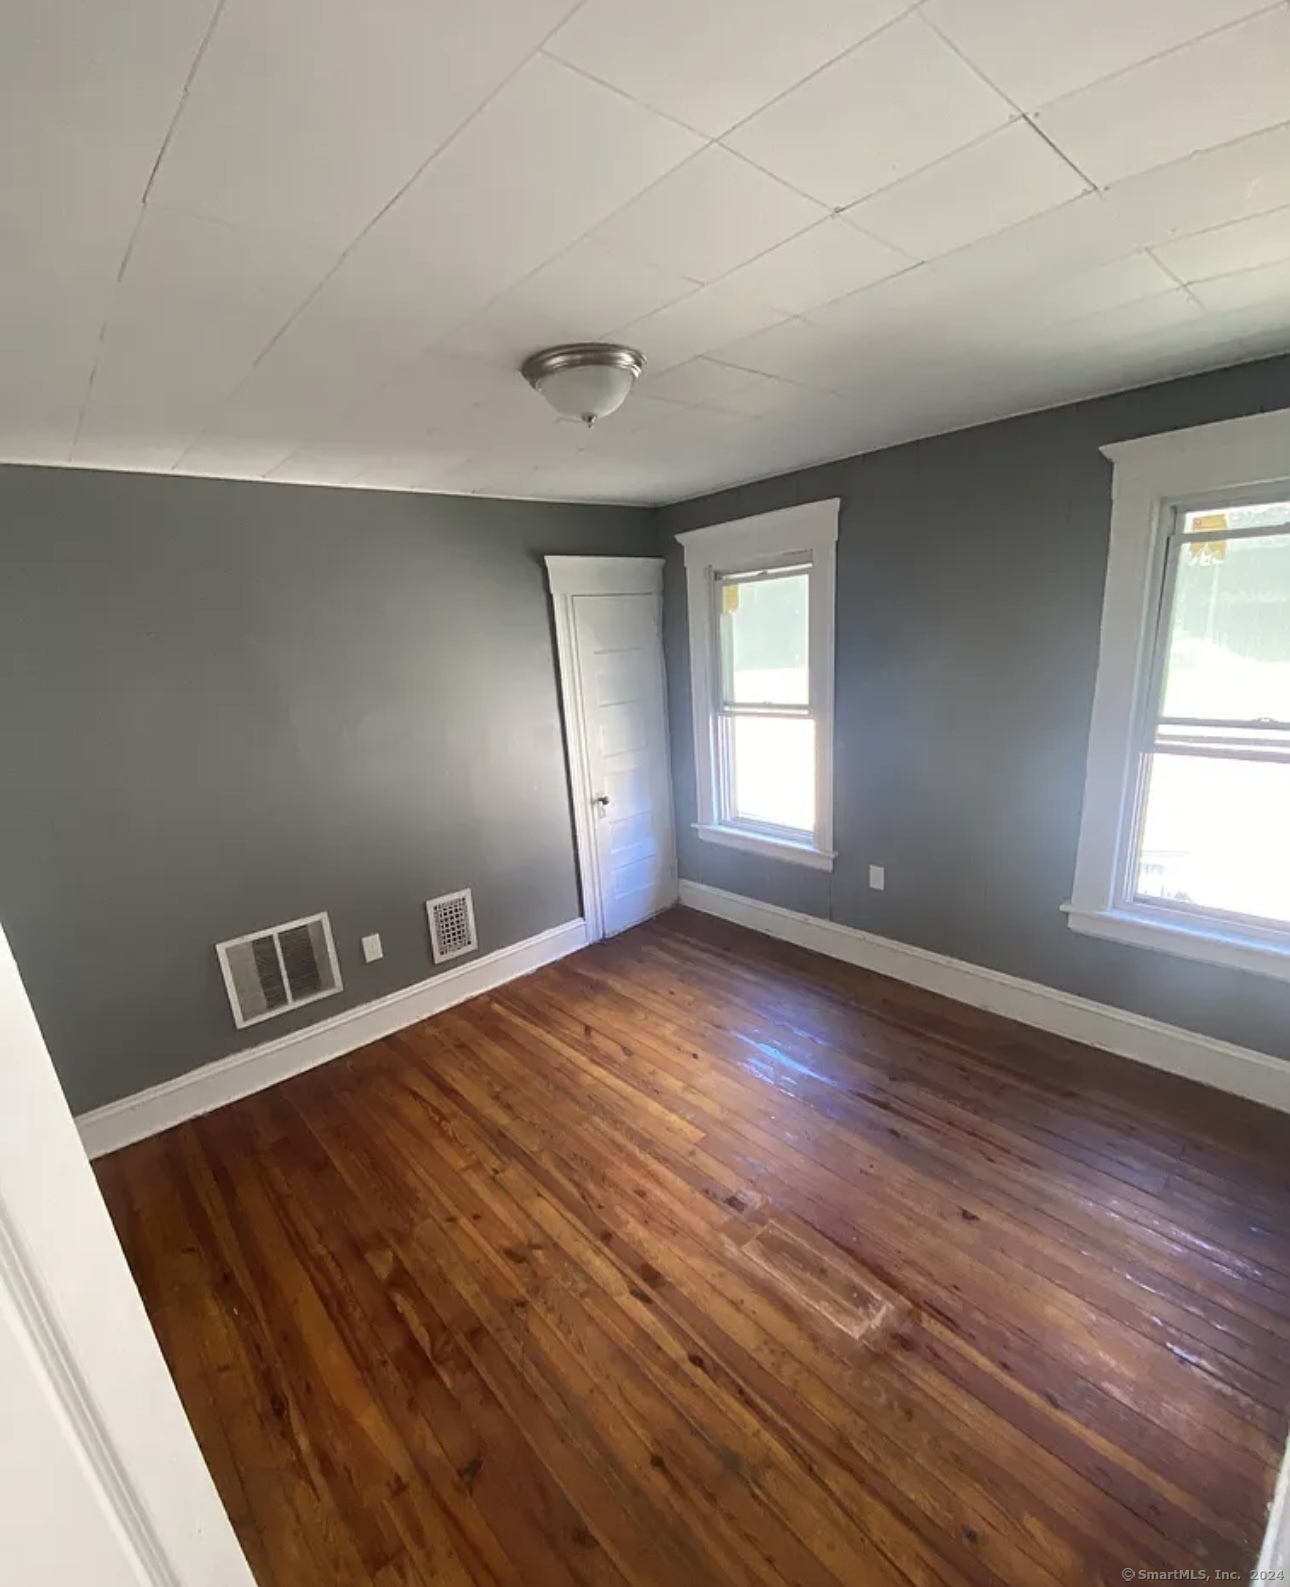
(372, 949)
(877, 878)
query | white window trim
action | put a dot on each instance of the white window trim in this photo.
(808, 530)
(1207, 465)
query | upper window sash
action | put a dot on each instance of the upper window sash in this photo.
(723, 638)
(1226, 736)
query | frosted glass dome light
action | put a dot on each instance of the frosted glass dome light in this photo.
(584, 380)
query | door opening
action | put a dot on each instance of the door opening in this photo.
(609, 639)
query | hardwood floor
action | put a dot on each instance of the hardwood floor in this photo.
(698, 1259)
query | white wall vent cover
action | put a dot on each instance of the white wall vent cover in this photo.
(452, 925)
(283, 967)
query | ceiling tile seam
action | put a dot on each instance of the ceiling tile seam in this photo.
(180, 103)
(604, 220)
(622, 93)
(843, 211)
(1173, 275)
(1240, 220)
(912, 262)
(586, 236)
(923, 435)
(422, 436)
(1174, 49)
(977, 71)
(1018, 114)
(1030, 116)
(715, 406)
(1093, 187)
(708, 142)
(911, 8)
(179, 110)
(382, 211)
(1066, 203)
(729, 363)
(913, 11)
(792, 187)
(950, 253)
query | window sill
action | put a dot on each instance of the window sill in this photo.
(773, 848)
(1207, 944)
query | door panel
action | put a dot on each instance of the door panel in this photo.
(101, 1479)
(620, 664)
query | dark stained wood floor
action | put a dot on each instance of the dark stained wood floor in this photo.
(697, 1259)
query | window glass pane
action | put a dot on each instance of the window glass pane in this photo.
(1207, 519)
(1229, 638)
(1213, 835)
(774, 770)
(764, 646)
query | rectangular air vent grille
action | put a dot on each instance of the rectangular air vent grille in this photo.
(271, 971)
(452, 925)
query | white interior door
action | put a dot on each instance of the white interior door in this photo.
(101, 1479)
(609, 620)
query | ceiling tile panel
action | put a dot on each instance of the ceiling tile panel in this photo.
(1038, 50)
(362, 223)
(1242, 245)
(482, 216)
(46, 354)
(308, 116)
(197, 304)
(703, 383)
(796, 350)
(87, 94)
(694, 325)
(219, 456)
(51, 318)
(818, 265)
(891, 106)
(582, 293)
(921, 320)
(712, 65)
(1060, 298)
(1270, 285)
(1008, 177)
(1234, 182)
(712, 214)
(549, 157)
(1222, 87)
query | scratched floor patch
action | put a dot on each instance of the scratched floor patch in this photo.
(827, 1280)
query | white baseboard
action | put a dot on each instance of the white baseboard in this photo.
(1274, 1557)
(1240, 1070)
(242, 1073)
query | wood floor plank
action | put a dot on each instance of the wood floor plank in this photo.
(698, 1258)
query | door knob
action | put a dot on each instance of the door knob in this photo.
(601, 799)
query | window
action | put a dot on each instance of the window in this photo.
(1185, 842)
(761, 669)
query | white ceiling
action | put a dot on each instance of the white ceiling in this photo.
(312, 240)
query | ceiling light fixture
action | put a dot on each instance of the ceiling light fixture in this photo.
(584, 380)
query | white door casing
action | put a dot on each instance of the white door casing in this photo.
(608, 613)
(101, 1478)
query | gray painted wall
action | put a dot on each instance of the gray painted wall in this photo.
(970, 572)
(224, 705)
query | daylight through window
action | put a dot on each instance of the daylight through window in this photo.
(1214, 792)
(761, 651)
(767, 734)
(1183, 843)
